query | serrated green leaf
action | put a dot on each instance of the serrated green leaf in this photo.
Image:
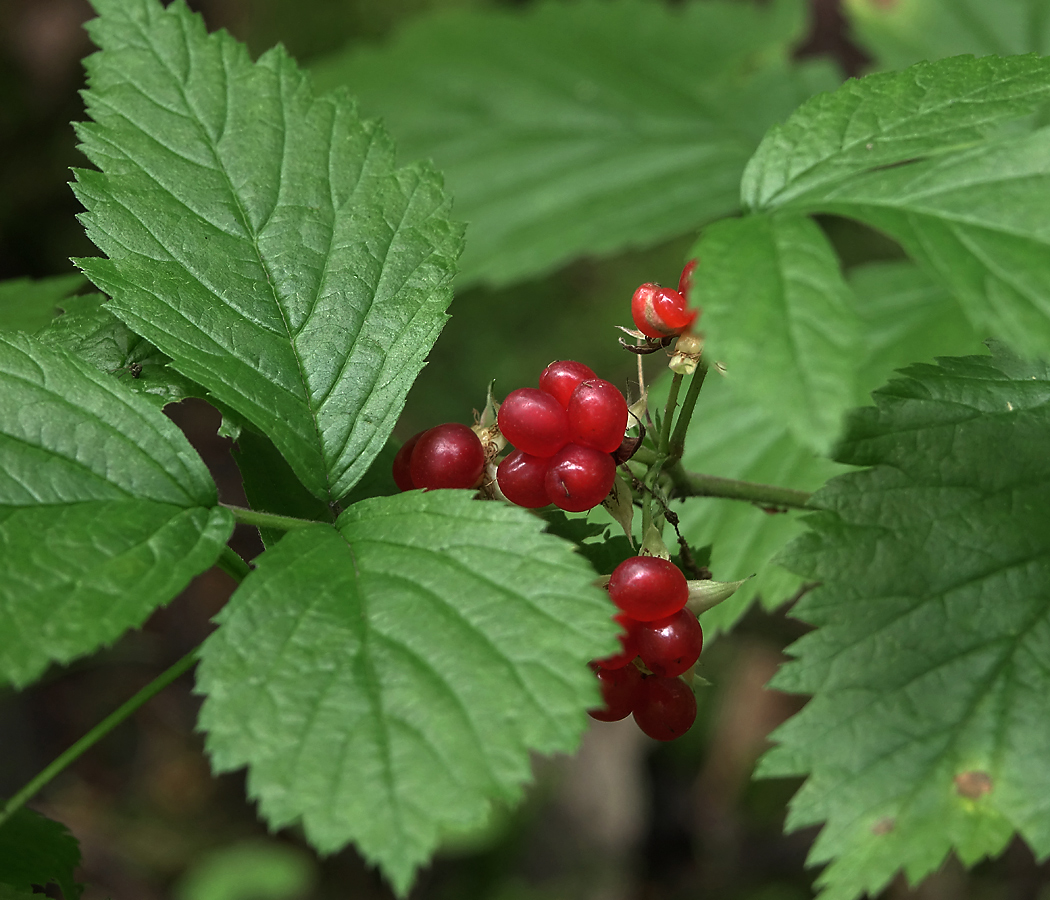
(27, 305)
(908, 31)
(584, 128)
(106, 511)
(780, 316)
(885, 119)
(928, 728)
(37, 850)
(385, 681)
(261, 236)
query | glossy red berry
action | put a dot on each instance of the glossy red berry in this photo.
(579, 478)
(648, 588)
(685, 280)
(447, 456)
(522, 478)
(561, 378)
(597, 415)
(534, 422)
(665, 708)
(660, 312)
(628, 644)
(620, 689)
(402, 475)
(669, 646)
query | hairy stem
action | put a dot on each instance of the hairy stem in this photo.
(97, 733)
(694, 484)
(269, 520)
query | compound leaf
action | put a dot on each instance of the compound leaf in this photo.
(904, 32)
(261, 236)
(105, 509)
(584, 128)
(890, 118)
(35, 850)
(385, 679)
(927, 730)
(27, 305)
(779, 314)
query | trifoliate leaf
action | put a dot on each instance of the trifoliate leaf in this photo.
(37, 850)
(890, 118)
(908, 31)
(927, 730)
(779, 314)
(385, 679)
(584, 128)
(27, 305)
(261, 236)
(106, 511)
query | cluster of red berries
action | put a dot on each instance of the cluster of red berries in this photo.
(660, 312)
(660, 632)
(564, 434)
(445, 456)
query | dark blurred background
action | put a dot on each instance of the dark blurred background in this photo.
(625, 818)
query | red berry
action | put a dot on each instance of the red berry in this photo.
(628, 644)
(580, 478)
(522, 478)
(402, 475)
(597, 415)
(670, 646)
(648, 588)
(685, 280)
(620, 689)
(447, 456)
(561, 378)
(665, 708)
(534, 422)
(660, 312)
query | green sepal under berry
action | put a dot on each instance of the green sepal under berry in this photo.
(261, 236)
(106, 511)
(35, 850)
(385, 680)
(927, 731)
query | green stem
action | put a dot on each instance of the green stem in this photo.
(97, 733)
(677, 443)
(233, 565)
(693, 484)
(269, 520)
(672, 401)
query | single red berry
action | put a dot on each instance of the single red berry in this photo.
(685, 281)
(670, 646)
(665, 708)
(447, 456)
(561, 378)
(580, 478)
(648, 588)
(620, 689)
(660, 312)
(534, 422)
(402, 475)
(597, 415)
(522, 478)
(628, 644)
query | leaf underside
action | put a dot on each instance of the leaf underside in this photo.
(927, 730)
(384, 680)
(261, 236)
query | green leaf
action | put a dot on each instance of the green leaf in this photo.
(890, 118)
(27, 305)
(250, 870)
(779, 315)
(37, 850)
(907, 31)
(584, 128)
(105, 509)
(385, 682)
(927, 730)
(261, 236)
